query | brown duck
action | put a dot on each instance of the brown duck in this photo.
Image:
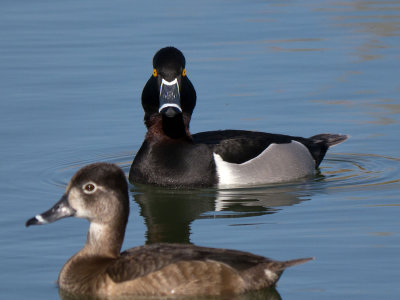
(99, 193)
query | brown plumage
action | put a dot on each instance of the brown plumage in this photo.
(99, 193)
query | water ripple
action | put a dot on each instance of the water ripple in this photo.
(169, 213)
(60, 174)
(360, 170)
(338, 171)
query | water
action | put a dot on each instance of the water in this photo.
(71, 77)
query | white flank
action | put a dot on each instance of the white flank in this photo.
(277, 163)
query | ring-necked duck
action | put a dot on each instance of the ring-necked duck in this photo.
(99, 193)
(171, 156)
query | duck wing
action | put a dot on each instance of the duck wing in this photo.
(239, 146)
(141, 261)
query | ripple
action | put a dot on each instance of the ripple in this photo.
(360, 170)
(338, 171)
(59, 174)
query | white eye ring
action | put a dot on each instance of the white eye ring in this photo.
(89, 188)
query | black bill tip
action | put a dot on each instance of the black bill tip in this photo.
(36, 220)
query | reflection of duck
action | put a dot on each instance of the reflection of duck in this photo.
(168, 213)
(264, 294)
(171, 156)
(99, 193)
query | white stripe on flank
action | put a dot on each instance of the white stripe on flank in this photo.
(277, 163)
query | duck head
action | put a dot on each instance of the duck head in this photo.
(168, 94)
(98, 193)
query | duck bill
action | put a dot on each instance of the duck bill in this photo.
(170, 101)
(60, 210)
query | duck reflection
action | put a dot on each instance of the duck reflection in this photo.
(168, 213)
(265, 294)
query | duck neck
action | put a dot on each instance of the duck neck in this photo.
(104, 240)
(176, 127)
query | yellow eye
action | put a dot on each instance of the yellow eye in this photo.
(154, 72)
(184, 72)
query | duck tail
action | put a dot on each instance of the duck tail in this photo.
(267, 274)
(329, 139)
(290, 263)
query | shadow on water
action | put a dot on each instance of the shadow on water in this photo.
(265, 294)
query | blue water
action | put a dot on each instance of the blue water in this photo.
(71, 77)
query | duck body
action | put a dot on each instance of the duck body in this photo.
(99, 193)
(171, 269)
(174, 163)
(226, 158)
(171, 156)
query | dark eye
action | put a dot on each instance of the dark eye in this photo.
(154, 72)
(89, 188)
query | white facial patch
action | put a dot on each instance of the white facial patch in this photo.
(277, 163)
(76, 202)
